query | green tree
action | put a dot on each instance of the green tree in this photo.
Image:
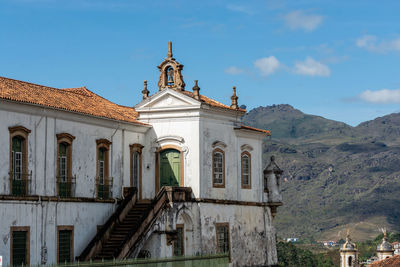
(290, 256)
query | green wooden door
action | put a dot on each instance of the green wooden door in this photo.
(170, 167)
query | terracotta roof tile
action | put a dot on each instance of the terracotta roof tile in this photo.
(390, 262)
(211, 102)
(79, 100)
(255, 129)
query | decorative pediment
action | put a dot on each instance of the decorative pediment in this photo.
(246, 147)
(170, 138)
(170, 73)
(219, 144)
(167, 99)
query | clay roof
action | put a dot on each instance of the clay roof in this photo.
(215, 103)
(211, 102)
(389, 262)
(255, 129)
(79, 100)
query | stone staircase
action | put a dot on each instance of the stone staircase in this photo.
(121, 231)
(121, 235)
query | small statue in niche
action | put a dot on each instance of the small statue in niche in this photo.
(272, 175)
(170, 75)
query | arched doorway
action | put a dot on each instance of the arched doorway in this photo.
(170, 172)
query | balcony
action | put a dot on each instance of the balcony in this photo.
(104, 187)
(66, 186)
(20, 183)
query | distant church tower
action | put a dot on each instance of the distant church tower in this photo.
(385, 249)
(348, 253)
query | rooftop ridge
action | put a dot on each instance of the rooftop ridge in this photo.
(207, 100)
(64, 90)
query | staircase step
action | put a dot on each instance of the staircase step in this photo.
(122, 229)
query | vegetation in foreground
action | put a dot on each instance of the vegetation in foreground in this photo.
(290, 255)
(316, 255)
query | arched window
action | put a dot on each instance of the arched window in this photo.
(170, 76)
(103, 181)
(136, 167)
(218, 168)
(19, 176)
(246, 170)
(350, 261)
(65, 181)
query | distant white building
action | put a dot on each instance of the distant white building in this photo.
(396, 247)
(329, 243)
(178, 174)
(292, 239)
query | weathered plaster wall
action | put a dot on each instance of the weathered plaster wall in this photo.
(252, 236)
(43, 219)
(251, 232)
(42, 151)
(186, 129)
(222, 130)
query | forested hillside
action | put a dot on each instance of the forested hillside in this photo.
(335, 176)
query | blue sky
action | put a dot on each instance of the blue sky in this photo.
(337, 59)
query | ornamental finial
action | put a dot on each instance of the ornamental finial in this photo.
(348, 235)
(196, 90)
(169, 55)
(384, 231)
(145, 92)
(234, 99)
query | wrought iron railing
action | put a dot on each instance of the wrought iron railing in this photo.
(66, 186)
(20, 184)
(104, 187)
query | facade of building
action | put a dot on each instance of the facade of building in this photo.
(178, 174)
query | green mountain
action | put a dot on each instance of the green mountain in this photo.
(335, 176)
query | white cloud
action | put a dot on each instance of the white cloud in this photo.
(240, 8)
(371, 43)
(311, 67)
(233, 70)
(300, 20)
(267, 65)
(383, 96)
(366, 41)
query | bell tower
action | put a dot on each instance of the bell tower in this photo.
(170, 73)
(348, 253)
(385, 249)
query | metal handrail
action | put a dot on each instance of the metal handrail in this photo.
(21, 186)
(104, 190)
(104, 232)
(66, 188)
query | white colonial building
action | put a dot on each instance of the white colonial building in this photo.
(178, 174)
